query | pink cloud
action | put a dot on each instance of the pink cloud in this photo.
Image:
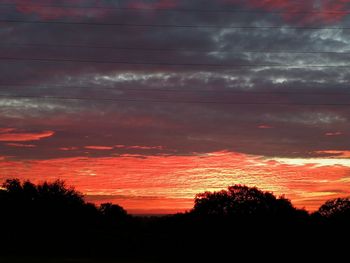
(18, 136)
(139, 147)
(265, 126)
(21, 145)
(333, 133)
(68, 148)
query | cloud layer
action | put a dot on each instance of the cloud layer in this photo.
(263, 78)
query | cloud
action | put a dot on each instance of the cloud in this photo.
(162, 4)
(265, 126)
(99, 148)
(6, 130)
(51, 11)
(139, 147)
(335, 153)
(21, 145)
(18, 136)
(68, 148)
(304, 12)
(333, 133)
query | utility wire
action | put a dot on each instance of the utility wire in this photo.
(177, 10)
(79, 46)
(170, 64)
(173, 101)
(176, 26)
(172, 90)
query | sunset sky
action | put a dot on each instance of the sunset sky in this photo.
(146, 103)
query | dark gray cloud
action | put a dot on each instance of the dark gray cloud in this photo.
(178, 117)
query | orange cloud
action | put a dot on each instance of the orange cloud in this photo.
(169, 183)
(17, 136)
(103, 148)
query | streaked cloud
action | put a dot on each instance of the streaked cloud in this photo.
(19, 136)
(99, 148)
(333, 133)
(21, 145)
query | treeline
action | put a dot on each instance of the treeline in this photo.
(52, 219)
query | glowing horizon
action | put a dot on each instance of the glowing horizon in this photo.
(164, 184)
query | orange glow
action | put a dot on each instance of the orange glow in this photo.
(11, 135)
(163, 184)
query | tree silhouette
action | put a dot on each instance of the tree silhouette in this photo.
(338, 208)
(242, 202)
(112, 212)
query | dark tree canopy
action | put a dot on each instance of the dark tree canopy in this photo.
(112, 212)
(242, 201)
(335, 209)
(50, 202)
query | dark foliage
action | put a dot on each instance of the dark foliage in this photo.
(53, 220)
(242, 202)
(335, 210)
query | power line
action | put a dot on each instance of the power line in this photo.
(177, 10)
(169, 25)
(174, 101)
(79, 46)
(315, 93)
(170, 64)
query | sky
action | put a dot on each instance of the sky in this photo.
(147, 103)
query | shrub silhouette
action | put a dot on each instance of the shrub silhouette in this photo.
(240, 201)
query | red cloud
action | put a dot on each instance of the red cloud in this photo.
(265, 126)
(5, 130)
(21, 145)
(11, 135)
